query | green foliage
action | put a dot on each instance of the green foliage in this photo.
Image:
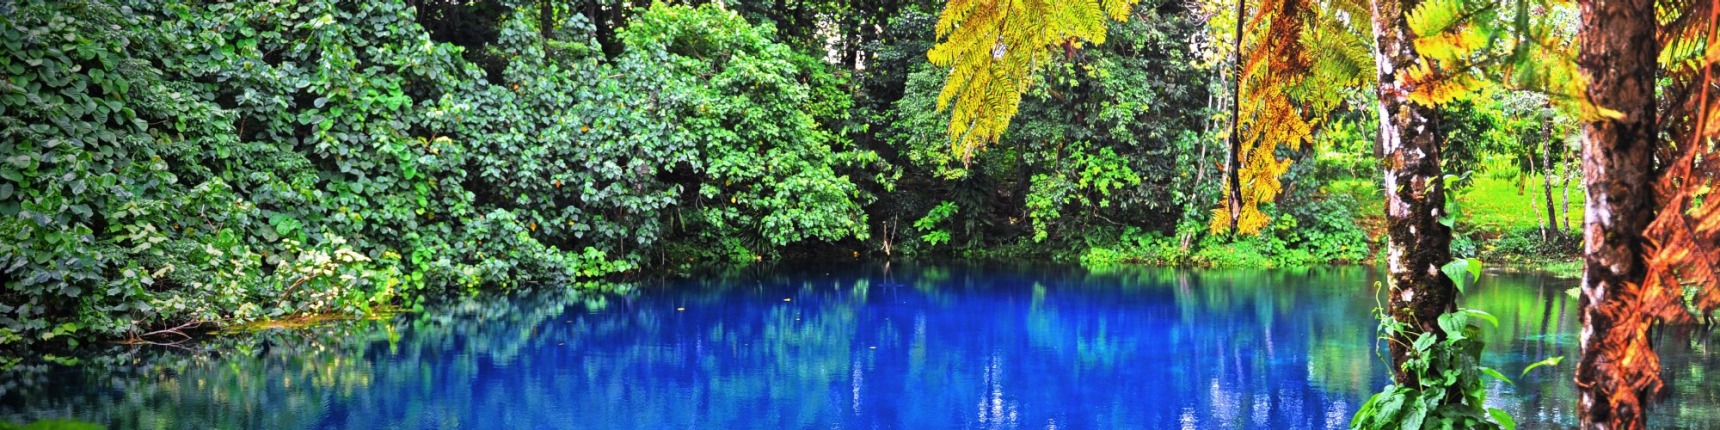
(1086, 181)
(1345, 148)
(1462, 272)
(1449, 392)
(130, 198)
(767, 170)
(52, 425)
(1474, 129)
(1106, 140)
(928, 225)
(1319, 232)
(232, 162)
(1326, 229)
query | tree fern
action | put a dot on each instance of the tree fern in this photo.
(1522, 45)
(1684, 239)
(1619, 369)
(993, 48)
(1339, 45)
(1275, 67)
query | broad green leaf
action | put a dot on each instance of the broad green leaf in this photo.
(1453, 324)
(1503, 418)
(1392, 405)
(1495, 374)
(1416, 414)
(1462, 272)
(1551, 361)
(1482, 315)
(1424, 341)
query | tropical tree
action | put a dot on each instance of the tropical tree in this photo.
(992, 59)
(1414, 185)
(1650, 252)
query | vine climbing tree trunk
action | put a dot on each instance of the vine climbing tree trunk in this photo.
(1414, 190)
(1617, 370)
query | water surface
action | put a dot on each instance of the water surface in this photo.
(861, 346)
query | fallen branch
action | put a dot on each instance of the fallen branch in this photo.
(177, 330)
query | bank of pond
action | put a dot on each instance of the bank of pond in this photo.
(850, 345)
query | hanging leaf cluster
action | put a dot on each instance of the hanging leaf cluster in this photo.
(1298, 61)
(1468, 45)
(1339, 43)
(993, 48)
(1267, 117)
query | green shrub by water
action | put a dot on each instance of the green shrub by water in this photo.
(230, 162)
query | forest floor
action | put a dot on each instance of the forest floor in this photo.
(1498, 206)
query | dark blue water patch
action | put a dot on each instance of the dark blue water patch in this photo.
(854, 347)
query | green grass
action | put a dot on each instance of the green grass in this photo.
(1492, 205)
(1492, 212)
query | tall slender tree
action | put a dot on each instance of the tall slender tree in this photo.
(1547, 170)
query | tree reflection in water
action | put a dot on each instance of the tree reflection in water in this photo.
(867, 346)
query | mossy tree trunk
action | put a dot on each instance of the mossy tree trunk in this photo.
(1617, 370)
(1414, 189)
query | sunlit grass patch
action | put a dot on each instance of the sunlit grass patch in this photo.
(1492, 205)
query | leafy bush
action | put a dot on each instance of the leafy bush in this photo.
(228, 162)
(1327, 229)
(1138, 247)
(1462, 246)
(1219, 252)
(932, 234)
(765, 171)
(1526, 245)
(1449, 390)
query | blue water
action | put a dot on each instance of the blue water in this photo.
(863, 346)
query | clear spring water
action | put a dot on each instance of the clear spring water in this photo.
(862, 346)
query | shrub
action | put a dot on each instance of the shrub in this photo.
(170, 162)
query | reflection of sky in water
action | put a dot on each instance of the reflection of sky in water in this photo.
(865, 348)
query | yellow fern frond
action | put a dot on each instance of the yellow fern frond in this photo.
(993, 48)
(1432, 17)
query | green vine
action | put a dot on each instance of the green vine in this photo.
(1449, 392)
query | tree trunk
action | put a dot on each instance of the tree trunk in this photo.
(1565, 187)
(1233, 160)
(1414, 190)
(546, 25)
(1547, 176)
(617, 18)
(1617, 370)
(1534, 200)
